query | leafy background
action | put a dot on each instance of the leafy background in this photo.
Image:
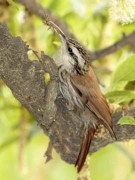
(22, 143)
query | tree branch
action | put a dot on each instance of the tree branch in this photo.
(36, 8)
(25, 78)
(126, 40)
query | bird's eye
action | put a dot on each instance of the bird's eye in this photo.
(70, 50)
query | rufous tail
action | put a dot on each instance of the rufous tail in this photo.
(84, 149)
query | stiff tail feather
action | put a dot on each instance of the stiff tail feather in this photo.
(84, 149)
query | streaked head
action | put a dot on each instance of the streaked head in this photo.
(71, 55)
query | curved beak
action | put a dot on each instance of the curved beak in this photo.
(58, 31)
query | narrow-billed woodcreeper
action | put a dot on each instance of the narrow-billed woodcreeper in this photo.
(79, 86)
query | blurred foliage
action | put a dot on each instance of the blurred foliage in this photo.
(22, 143)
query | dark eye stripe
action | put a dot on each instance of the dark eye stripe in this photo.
(72, 54)
(74, 57)
(70, 50)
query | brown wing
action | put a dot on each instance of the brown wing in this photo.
(88, 86)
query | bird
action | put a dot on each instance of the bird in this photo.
(79, 85)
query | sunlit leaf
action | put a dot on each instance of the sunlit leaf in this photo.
(126, 120)
(120, 96)
(125, 94)
(124, 72)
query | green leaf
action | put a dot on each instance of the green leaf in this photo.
(120, 96)
(125, 94)
(124, 72)
(126, 120)
(119, 86)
